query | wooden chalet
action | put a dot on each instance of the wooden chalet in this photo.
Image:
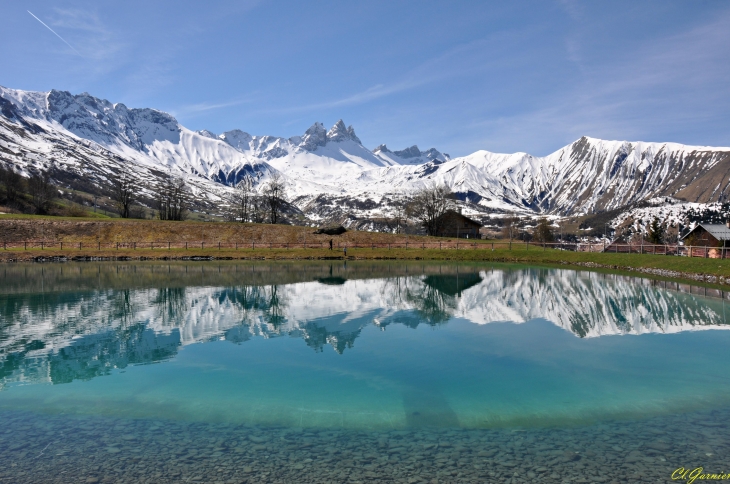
(709, 235)
(454, 224)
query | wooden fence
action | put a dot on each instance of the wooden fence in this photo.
(674, 250)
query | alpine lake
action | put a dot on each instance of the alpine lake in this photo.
(343, 372)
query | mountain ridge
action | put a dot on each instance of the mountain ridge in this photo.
(96, 138)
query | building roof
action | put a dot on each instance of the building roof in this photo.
(719, 231)
(454, 212)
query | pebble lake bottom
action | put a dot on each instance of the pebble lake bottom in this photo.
(286, 373)
(60, 449)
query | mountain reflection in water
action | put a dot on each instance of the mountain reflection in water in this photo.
(60, 323)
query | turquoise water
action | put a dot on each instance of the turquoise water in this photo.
(505, 364)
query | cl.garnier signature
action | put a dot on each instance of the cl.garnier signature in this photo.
(690, 475)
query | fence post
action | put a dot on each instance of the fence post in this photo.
(79, 245)
(99, 248)
(61, 245)
(168, 246)
(705, 252)
(41, 245)
(26, 245)
(186, 246)
(219, 246)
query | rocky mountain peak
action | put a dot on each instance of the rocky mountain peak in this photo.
(352, 135)
(412, 152)
(236, 138)
(314, 137)
(207, 134)
(339, 132)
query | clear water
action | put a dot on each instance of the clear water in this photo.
(310, 372)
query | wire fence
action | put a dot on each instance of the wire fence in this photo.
(619, 248)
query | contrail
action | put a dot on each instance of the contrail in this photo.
(54, 32)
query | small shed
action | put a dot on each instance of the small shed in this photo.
(454, 224)
(709, 235)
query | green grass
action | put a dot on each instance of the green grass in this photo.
(532, 256)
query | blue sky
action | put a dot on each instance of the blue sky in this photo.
(458, 76)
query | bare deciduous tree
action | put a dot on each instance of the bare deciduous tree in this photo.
(399, 219)
(242, 199)
(672, 234)
(275, 196)
(125, 190)
(172, 198)
(428, 206)
(41, 191)
(509, 227)
(259, 209)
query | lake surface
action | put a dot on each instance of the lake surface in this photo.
(357, 372)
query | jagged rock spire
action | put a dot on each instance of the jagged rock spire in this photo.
(339, 132)
(315, 136)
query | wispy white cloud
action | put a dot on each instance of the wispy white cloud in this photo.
(95, 39)
(370, 94)
(448, 65)
(192, 110)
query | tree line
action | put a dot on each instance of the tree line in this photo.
(35, 192)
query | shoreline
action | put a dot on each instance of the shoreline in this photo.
(710, 271)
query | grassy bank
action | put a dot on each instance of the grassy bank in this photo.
(710, 270)
(91, 232)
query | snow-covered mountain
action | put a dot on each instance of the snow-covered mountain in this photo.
(330, 173)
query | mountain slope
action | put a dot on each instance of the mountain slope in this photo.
(330, 173)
